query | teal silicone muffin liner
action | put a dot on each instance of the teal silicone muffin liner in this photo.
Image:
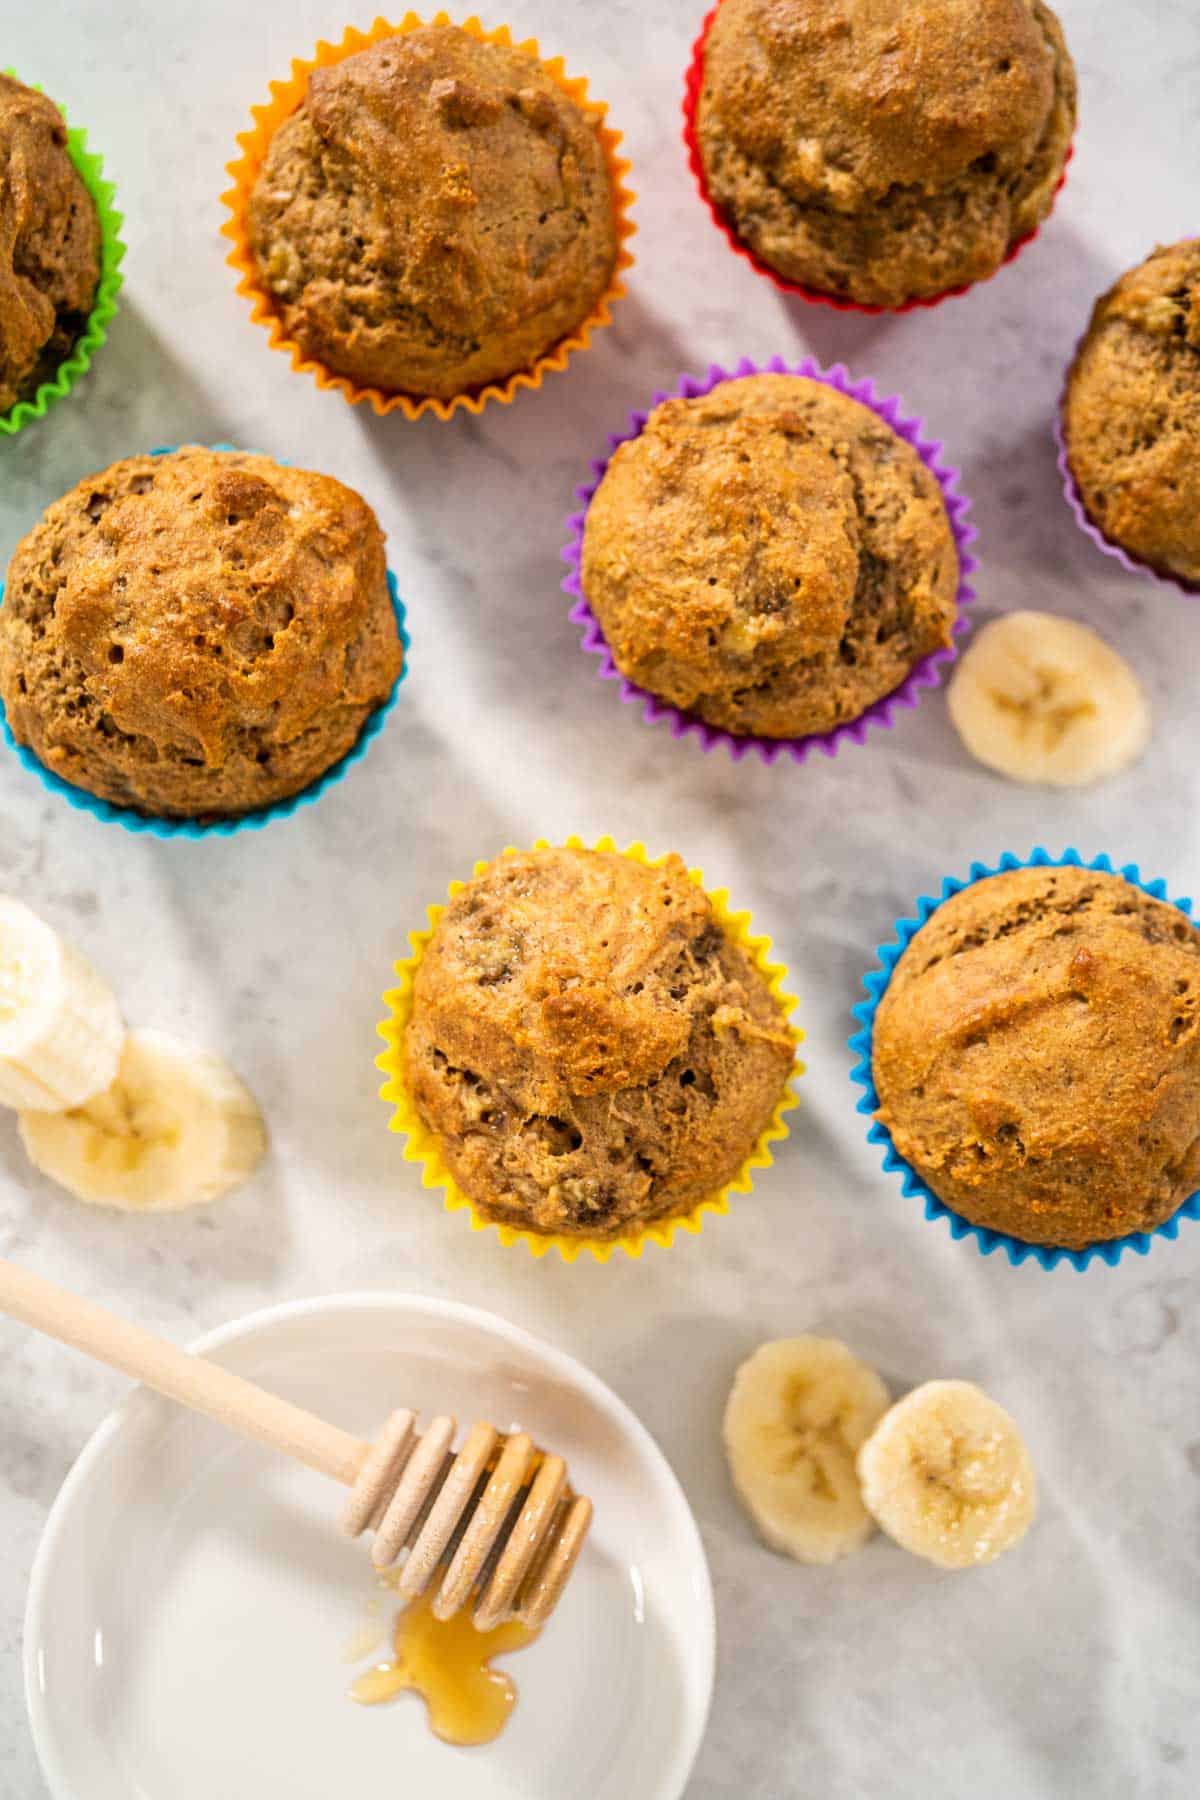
(148, 824)
(104, 305)
(876, 981)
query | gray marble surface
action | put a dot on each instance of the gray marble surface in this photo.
(1068, 1669)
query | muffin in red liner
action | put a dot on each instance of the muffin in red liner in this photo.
(827, 297)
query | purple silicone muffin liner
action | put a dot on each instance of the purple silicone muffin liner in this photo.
(925, 674)
(1084, 519)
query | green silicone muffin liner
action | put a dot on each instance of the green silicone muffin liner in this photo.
(112, 250)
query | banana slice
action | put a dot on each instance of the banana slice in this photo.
(799, 1410)
(1043, 699)
(947, 1475)
(176, 1128)
(60, 1027)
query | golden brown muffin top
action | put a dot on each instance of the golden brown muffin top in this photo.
(1132, 413)
(49, 243)
(436, 214)
(850, 97)
(771, 556)
(547, 956)
(590, 1047)
(198, 631)
(1037, 1055)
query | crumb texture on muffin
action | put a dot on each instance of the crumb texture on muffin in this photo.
(590, 1048)
(1037, 1056)
(49, 243)
(771, 557)
(1132, 415)
(436, 215)
(884, 150)
(201, 633)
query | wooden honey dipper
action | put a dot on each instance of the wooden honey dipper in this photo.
(500, 1515)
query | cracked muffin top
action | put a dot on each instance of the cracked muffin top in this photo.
(1037, 1056)
(49, 243)
(589, 1046)
(771, 557)
(197, 634)
(1132, 414)
(436, 215)
(884, 150)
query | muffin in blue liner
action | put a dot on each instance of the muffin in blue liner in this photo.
(876, 982)
(226, 825)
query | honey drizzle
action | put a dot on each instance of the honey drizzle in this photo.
(447, 1662)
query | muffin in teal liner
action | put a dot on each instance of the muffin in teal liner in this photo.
(109, 251)
(223, 641)
(1085, 963)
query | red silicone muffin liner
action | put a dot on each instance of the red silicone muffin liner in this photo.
(691, 95)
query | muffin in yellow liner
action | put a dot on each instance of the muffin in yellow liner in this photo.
(422, 1146)
(286, 97)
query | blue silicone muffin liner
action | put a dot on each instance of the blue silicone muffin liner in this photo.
(876, 982)
(139, 822)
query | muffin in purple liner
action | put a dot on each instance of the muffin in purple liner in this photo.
(1128, 422)
(788, 635)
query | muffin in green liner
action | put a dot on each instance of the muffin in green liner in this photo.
(110, 250)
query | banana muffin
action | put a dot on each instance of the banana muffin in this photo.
(882, 151)
(436, 215)
(198, 634)
(587, 1044)
(1037, 1056)
(1131, 415)
(770, 557)
(49, 243)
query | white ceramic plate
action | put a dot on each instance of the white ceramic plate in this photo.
(191, 1598)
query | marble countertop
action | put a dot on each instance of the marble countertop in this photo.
(1070, 1669)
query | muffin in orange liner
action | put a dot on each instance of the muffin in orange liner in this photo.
(422, 1146)
(286, 97)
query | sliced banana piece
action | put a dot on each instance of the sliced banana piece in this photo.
(175, 1128)
(799, 1410)
(1045, 700)
(947, 1475)
(60, 1026)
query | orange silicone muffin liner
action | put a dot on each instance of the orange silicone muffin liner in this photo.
(286, 97)
(421, 1145)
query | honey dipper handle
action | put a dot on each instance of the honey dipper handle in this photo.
(203, 1386)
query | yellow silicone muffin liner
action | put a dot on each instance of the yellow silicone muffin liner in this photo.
(422, 1146)
(286, 97)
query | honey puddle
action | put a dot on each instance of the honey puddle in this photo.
(447, 1662)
